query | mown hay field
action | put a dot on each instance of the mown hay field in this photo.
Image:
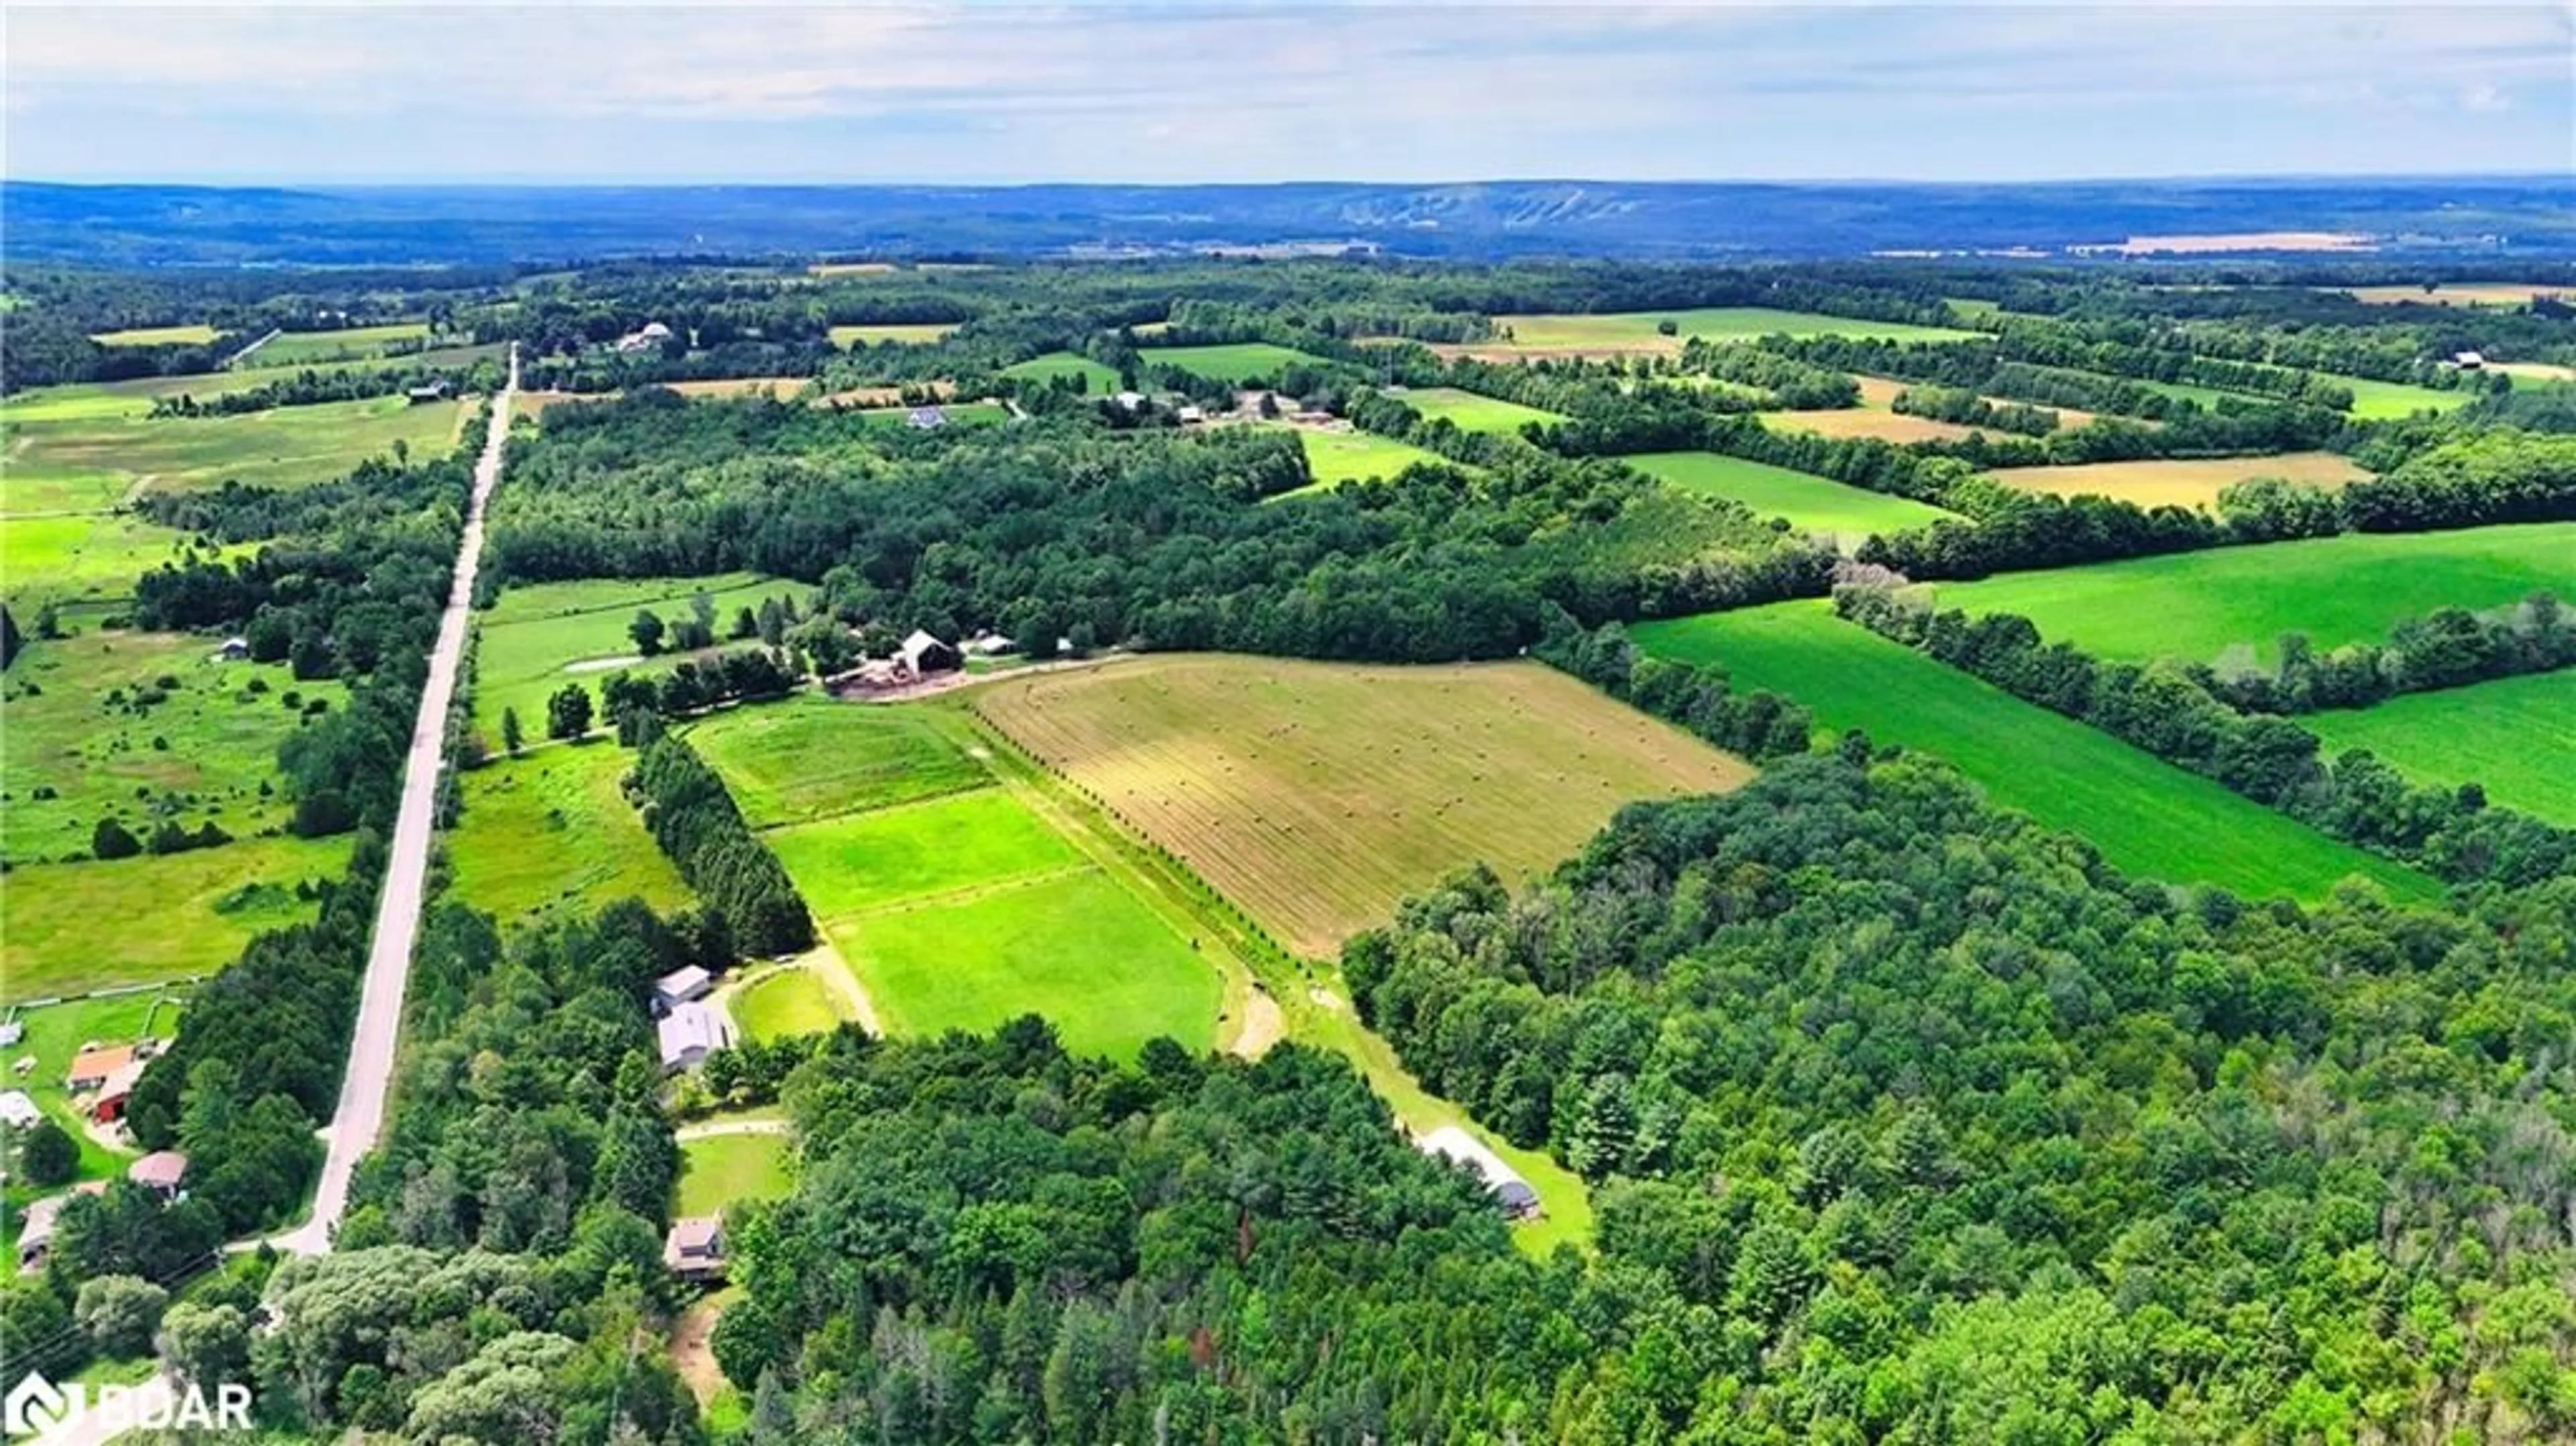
(2146, 816)
(2515, 737)
(2350, 588)
(1814, 504)
(1316, 795)
(355, 343)
(1233, 362)
(1098, 380)
(1469, 412)
(74, 927)
(280, 447)
(1338, 457)
(906, 333)
(189, 334)
(1643, 330)
(1885, 426)
(2179, 481)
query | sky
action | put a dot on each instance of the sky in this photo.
(1141, 92)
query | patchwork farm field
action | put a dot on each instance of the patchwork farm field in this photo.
(2516, 737)
(550, 833)
(281, 447)
(1469, 412)
(1642, 330)
(904, 333)
(172, 916)
(537, 638)
(1235, 362)
(2179, 481)
(1885, 426)
(1098, 380)
(2345, 589)
(140, 727)
(2377, 400)
(1811, 503)
(1316, 795)
(188, 334)
(958, 900)
(2456, 293)
(1338, 457)
(355, 343)
(2146, 816)
(93, 401)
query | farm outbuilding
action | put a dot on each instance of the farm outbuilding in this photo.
(921, 654)
(1458, 1147)
(679, 987)
(160, 1172)
(688, 1034)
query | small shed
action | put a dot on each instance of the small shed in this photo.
(160, 1172)
(921, 654)
(2468, 361)
(679, 987)
(232, 650)
(694, 1250)
(427, 392)
(1190, 416)
(1458, 1147)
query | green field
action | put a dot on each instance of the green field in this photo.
(1099, 380)
(784, 1003)
(537, 638)
(1234, 363)
(551, 833)
(141, 726)
(191, 333)
(1338, 457)
(2344, 589)
(84, 926)
(2146, 816)
(810, 757)
(717, 1170)
(2375, 400)
(281, 447)
(312, 348)
(76, 558)
(1811, 503)
(959, 842)
(1471, 413)
(2514, 736)
(955, 412)
(92, 401)
(54, 1034)
(908, 334)
(1643, 329)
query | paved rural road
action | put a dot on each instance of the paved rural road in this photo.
(361, 1115)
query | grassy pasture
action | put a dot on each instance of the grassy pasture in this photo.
(2514, 736)
(281, 447)
(810, 757)
(906, 333)
(951, 844)
(1811, 503)
(717, 1170)
(535, 639)
(313, 348)
(93, 401)
(87, 557)
(1469, 412)
(2345, 589)
(1641, 330)
(550, 832)
(1235, 362)
(98, 758)
(1338, 457)
(84, 926)
(1316, 795)
(2179, 481)
(2146, 816)
(2377, 400)
(195, 333)
(787, 1002)
(1099, 380)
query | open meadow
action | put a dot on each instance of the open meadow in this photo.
(786, 1001)
(1354, 456)
(355, 343)
(85, 557)
(535, 639)
(1098, 380)
(142, 727)
(2179, 481)
(812, 757)
(2456, 293)
(1812, 504)
(280, 447)
(1232, 362)
(2146, 816)
(94, 401)
(899, 333)
(196, 333)
(550, 833)
(2515, 737)
(2350, 588)
(1642, 330)
(2374, 400)
(1469, 412)
(74, 927)
(1316, 795)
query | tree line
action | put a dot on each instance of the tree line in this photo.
(694, 820)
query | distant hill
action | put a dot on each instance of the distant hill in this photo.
(2481, 217)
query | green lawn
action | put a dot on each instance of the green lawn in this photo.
(535, 639)
(1077, 948)
(280, 447)
(551, 833)
(1338, 457)
(55, 1033)
(1234, 363)
(2147, 817)
(1714, 323)
(82, 724)
(1099, 380)
(810, 757)
(866, 860)
(717, 1170)
(785, 1003)
(1811, 503)
(908, 334)
(2337, 590)
(2514, 736)
(1472, 413)
(313, 348)
(192, 333)
(84, 926)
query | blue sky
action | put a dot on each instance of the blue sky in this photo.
(1160, 92)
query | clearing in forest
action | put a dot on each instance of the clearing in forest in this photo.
(2179, 481)
(1814, 504)
(1099, 380)
(1316, 795)
(185, 334)
(355, 343)
(2457, 293)
(2515, 737)
(2148, 817)
(2350, 588)
(1334, 458)
(1469, 412)
(281, 447)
